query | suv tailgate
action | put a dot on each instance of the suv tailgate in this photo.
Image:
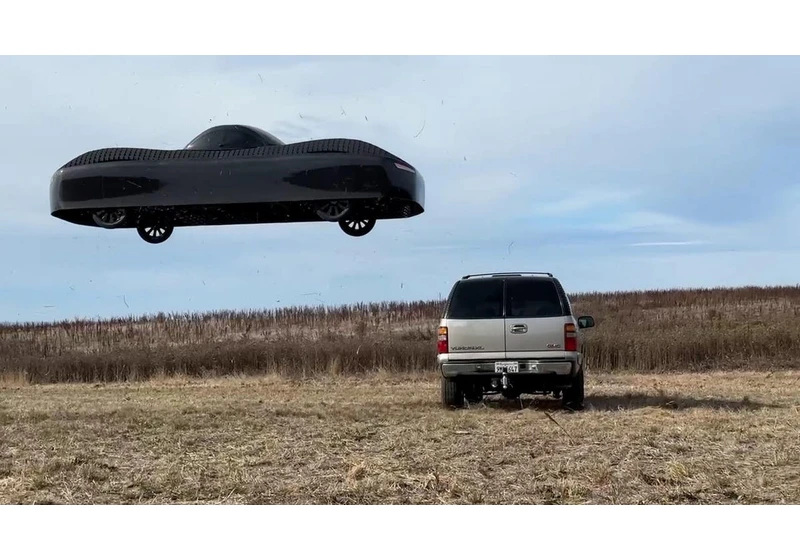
(474, 321)
(535, 319)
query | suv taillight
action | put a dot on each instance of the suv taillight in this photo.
(442, 346)
(570, 338)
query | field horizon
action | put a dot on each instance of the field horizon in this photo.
(753, 327)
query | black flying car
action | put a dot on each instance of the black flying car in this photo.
(235, 174)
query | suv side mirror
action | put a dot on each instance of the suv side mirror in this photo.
(585, 322)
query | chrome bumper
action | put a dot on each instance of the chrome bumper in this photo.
(526, 367)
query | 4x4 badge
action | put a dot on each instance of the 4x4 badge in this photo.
(553, 345)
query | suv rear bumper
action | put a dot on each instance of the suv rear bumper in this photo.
(533, 368)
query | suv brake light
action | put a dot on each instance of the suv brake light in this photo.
(570, 338)
(442, 346)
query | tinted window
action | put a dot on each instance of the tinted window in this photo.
(209, 140)
(477, 299)
(529, 297)
(239, 139)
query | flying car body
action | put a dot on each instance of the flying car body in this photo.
(236, 174)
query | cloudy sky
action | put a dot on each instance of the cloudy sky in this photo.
(613, 173)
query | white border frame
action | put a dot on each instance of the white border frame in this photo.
(654, 27)
(408, 27)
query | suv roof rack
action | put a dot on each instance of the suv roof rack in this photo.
(548, 274)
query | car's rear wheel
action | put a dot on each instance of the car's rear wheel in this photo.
(155, 233)
(357, 227)
(333, 210)
(109, 218)
(574, 395)
(452, 393)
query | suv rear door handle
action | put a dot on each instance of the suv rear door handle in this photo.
(519, 329)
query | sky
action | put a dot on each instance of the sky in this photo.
(614, 173)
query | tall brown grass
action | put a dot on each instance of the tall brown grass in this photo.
(753, 328)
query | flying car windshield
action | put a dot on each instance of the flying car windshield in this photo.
(268, 138)
(232, 138)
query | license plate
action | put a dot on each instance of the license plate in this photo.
(506, 367)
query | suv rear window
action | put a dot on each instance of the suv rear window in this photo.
(477, 299)
(532, 298)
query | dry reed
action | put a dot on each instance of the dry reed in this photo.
(754, 328)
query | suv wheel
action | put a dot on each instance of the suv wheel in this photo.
(452, 393)
(573, 397)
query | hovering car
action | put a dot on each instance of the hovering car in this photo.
(236, 174)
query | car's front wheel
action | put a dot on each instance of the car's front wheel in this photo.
(155, 233)
(357, 227)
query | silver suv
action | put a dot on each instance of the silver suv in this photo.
(510, 333)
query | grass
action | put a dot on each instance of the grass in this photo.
(659, 331)
(317, 405)
(713, 437)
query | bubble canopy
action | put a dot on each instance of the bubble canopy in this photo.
(233, 137)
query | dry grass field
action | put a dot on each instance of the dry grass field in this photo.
(692, 397)
(643, 438)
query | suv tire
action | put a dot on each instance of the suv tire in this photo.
(573, 397)
(452, 393)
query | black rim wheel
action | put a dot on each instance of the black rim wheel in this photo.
(154, 234)
(357, 227)
(334, 210)
(109, 218)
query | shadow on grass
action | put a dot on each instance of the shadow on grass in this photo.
(629, 401)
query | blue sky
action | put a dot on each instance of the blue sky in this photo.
(614, 173)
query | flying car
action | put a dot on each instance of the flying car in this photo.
(236, 174)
